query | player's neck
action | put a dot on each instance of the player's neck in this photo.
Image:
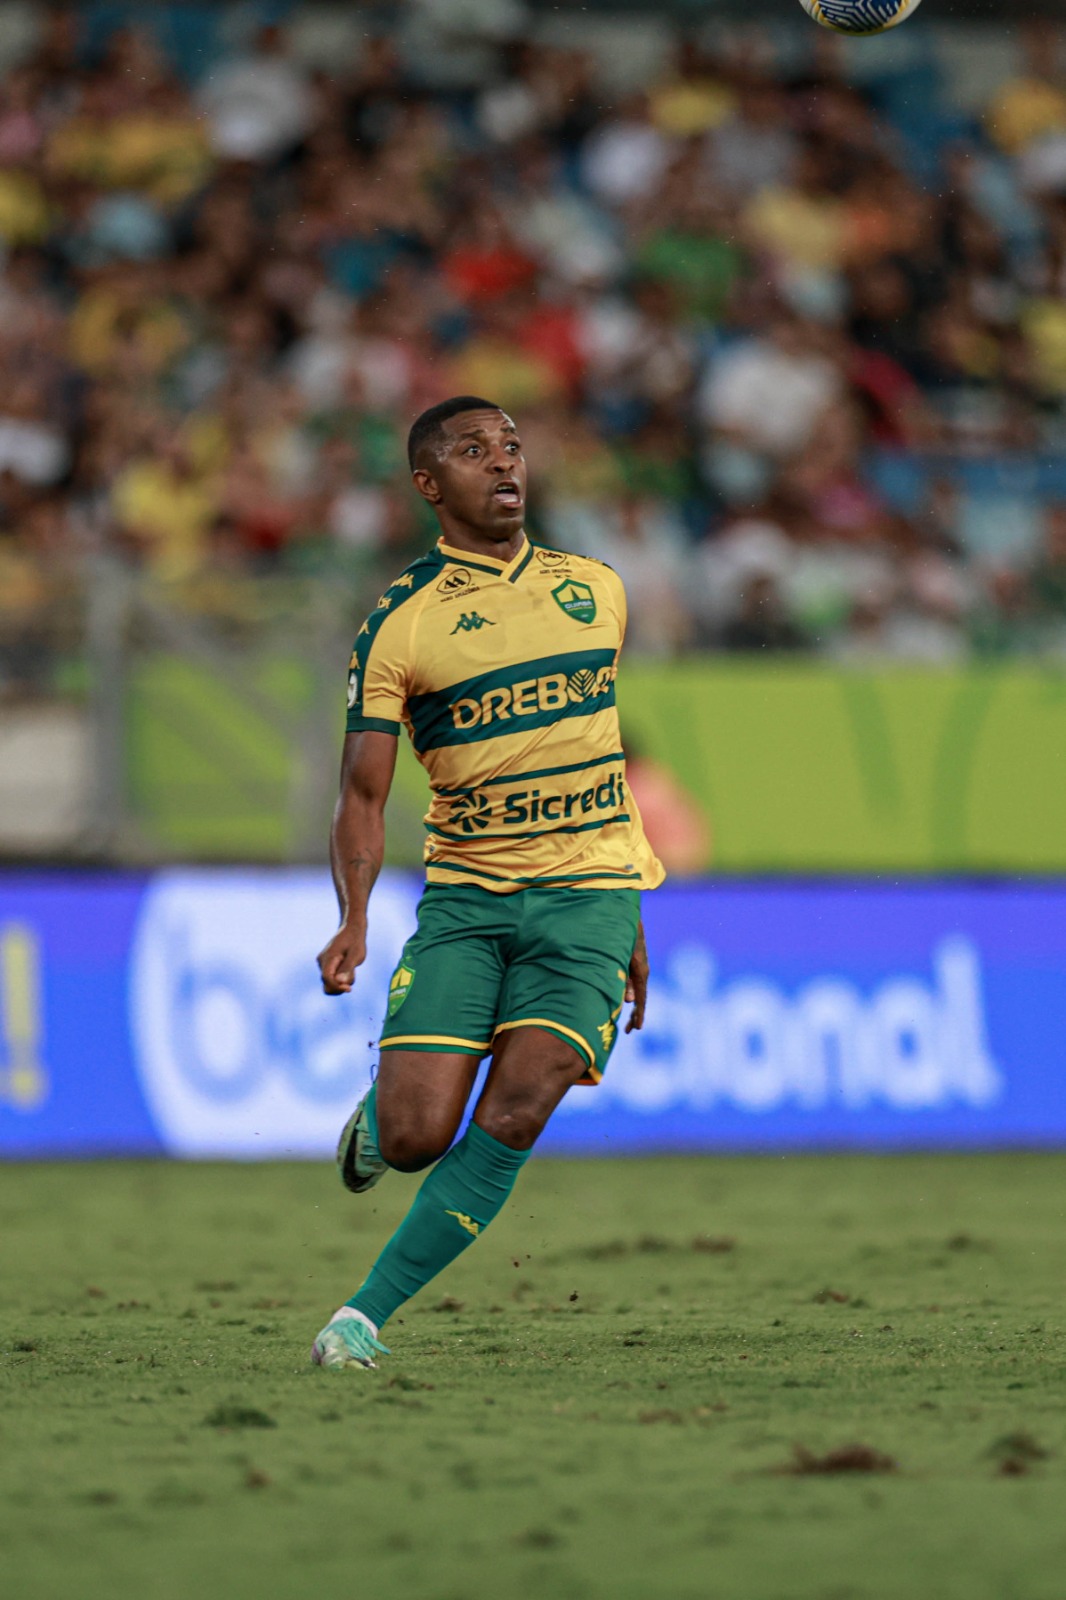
(480, 544)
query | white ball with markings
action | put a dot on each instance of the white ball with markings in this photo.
(860, 16)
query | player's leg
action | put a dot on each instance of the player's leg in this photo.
(442, 1006)
(531, 1071)
(420, 1098)
(559, 1006)
(570, 976)
(443, 997)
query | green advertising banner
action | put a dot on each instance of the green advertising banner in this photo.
(798, 768)
(811, 769)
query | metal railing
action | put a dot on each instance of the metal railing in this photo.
(200, 720)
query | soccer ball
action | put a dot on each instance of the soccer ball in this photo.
(860, 16)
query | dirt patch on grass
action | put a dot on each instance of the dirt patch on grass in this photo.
(236, 1416)
(1016, 1453)
(839, 1297)
(650, 1244)
(845, 1458)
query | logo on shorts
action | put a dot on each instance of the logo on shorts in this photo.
(471, 812)
(400, 986)
(576, 599)
(465, 1222)
(607, 1030)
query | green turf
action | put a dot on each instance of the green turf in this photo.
(596, 1402)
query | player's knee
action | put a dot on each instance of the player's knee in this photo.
(412, 1149)
(517, 1126)
(518, 1119)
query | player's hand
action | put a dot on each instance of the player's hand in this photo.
(637, 986)
(338, 961)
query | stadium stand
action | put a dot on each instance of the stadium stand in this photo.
(783, 320)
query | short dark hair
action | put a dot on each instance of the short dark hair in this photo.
(426, 429)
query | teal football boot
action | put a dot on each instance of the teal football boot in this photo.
(348, 1340)
(358, 1157)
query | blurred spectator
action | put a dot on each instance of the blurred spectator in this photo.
(1032, 105)
(645, 544)
(163, 507)
(624, 158)
(763, 401)
(761, 621)
(1048, 576)
(32, 446)
(801, 381)
(259, 105)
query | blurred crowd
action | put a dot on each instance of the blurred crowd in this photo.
(763, 327)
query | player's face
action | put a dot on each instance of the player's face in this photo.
(477, 476)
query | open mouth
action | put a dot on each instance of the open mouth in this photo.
(508, 494)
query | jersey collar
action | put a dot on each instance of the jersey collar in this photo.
(510, 571)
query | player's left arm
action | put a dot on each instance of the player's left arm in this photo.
(637, 982)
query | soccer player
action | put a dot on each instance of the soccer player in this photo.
(499, 658)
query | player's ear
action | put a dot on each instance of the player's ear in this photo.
(427, 485)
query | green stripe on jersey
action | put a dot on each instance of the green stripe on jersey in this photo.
(498, 877)
(522, 565)
(529, 694)
(535, 833)
(527, 777)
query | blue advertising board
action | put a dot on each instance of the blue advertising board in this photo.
(180, 1013)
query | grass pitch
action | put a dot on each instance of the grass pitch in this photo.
(635, 1385)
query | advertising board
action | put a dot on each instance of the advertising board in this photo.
(180, 1014)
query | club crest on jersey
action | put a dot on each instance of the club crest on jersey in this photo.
(576, 599)
(400, 986)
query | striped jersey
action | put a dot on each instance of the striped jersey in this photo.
(503, 674)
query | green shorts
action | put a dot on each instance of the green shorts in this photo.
(480, 963)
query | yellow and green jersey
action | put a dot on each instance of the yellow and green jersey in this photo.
(503, 673)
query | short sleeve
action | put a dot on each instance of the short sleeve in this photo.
(377, 679)
(618, 599)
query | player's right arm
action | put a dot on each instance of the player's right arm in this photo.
(356, 848)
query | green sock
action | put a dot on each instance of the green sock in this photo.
(456, 1202)
(371, 1113)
